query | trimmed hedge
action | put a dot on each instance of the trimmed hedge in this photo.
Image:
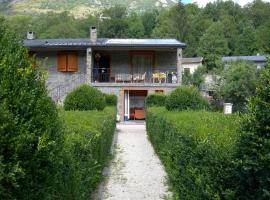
(196, 148)
(186, 97)
(85, 97)
(157, 99)
(88, 140)
(30, 129)
(111, 99)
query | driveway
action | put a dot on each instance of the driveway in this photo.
(135, 171)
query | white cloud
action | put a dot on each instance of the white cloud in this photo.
(241, 2)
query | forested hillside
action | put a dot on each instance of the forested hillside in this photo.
(218, 29)
(79, 8)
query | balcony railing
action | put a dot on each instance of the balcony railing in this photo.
(158, 76)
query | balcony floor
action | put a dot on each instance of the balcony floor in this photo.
(113, 84)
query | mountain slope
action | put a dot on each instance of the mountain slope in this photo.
(79, 8)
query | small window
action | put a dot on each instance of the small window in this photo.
(159, 91)
(67, 62)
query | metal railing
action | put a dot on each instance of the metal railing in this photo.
(157, 76)
(58, 89)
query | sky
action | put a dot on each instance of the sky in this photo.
(204, 2)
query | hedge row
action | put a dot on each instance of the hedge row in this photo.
(87, 143)
(196, 148)
(156, 99)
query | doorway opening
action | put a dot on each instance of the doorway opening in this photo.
(102, 68)
(135, 104)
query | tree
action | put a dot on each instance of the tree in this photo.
(252, 152)
(172, 23)
(238, 83)
(116, 26)
(247, 42)
(149, 22)
(135, 27)
(30, 131)
(213, 45)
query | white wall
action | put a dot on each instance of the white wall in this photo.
(191, 66)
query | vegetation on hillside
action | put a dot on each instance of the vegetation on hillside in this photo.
(220, 28)
(78, 8)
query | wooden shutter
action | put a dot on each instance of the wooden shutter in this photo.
(62, 62)
(72, 63)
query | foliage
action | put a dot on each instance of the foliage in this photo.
(157, 99)
(111, 99)
(252, 157)
(85, 97)
(213, 45)
(247, 42)
(87, 144)
(238, 83)
(30, 131)
(220, 28)
(196, 148)
(184, 98)
(195, 79)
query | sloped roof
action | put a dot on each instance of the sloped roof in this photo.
(102, 42)
(192, 60)
(248, 58)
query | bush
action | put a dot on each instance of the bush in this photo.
(30, 130)
(85, 98)
(237, 85)
(111, 99)
(184, 98)
(252, 157)
(88, 139)
(157, 99)
(196, 148)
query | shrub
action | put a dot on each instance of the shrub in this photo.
(157, 99)
(238, 83)
(88, 139)
(196, 148)
(184, 98)
(30, 131)
(111, 99)
(252, 157)
(85, 98)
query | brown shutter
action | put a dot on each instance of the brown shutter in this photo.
(72, 62)
(62, 62)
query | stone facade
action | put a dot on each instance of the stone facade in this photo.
(60, 83)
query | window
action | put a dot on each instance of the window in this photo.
(142, 62)
(159, 91)
(67, 61)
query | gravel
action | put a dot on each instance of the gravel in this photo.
(135, 171)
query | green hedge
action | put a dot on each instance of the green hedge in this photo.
(88, 140)
(111, 99)
(85, 97)
(186, 97)
(196, 148)
(157, 99)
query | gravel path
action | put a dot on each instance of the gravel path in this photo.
(135, 172)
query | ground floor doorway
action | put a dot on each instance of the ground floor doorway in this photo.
(134, 104)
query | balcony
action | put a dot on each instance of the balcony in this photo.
(104, 77)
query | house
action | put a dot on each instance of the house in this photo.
(129, 68)
(258, 60)
(190, 65)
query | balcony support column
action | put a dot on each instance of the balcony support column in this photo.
(89, 64)
(179, 66)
